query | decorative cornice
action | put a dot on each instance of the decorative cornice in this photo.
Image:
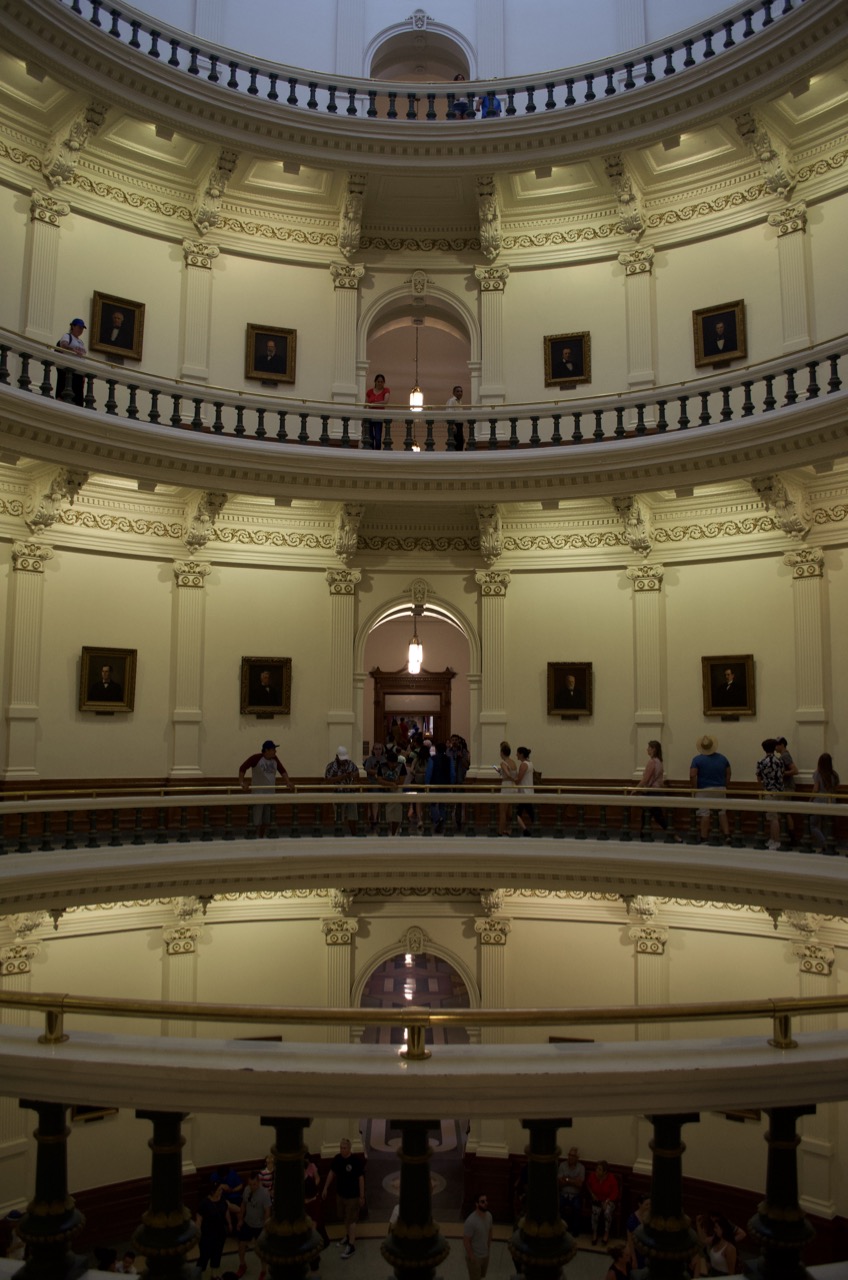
(425, 543)
(146, 528)
(200, 253)
(63, 153)
(346, 275)
(426, 244)
(646, 577)
(492, 582)
(191, 573)
(807, 562)
(275, 538)
(343, 582)
(492, 931)
(30, 557)
(340, 931)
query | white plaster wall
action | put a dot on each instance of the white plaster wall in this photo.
(97, 600)
(836, 674)
(5, 585)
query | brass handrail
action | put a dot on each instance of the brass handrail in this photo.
(418, 1019)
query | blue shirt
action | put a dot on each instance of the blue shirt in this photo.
(712, 770)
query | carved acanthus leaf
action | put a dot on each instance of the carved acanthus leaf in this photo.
(490, 217)
(491, 532)
(45, 506)
(788, 503)
(206, 212)
(348, 521)
(779, 175)
(63, 152)
(350, 222)
(637, 523)
(201, 513)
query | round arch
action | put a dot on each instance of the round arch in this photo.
(420, 24)
(400, 298)
(416, 940)
(380, 611)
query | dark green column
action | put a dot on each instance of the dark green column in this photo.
(167, 1232)
(289, 1240)
(414, 1247)
(542, 1245)
(779, 1225)
(667, 1238)
(51, 1219)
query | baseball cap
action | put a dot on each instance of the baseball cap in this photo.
(266, 746)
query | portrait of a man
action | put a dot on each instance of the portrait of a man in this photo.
(270, 353)
(569, 688)
(728, 685)
(107, 680)
(117, 329)
(117, 326)
(719, 333)
(265, 687)
(105, 688)
(567, 359)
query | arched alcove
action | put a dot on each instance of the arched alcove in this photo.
(419, 49)
(448, 344)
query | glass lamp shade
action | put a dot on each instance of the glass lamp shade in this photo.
(416, 399)
(416, 657)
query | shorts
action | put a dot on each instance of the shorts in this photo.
(709, 793)
(248, 1233)
(348, 1209)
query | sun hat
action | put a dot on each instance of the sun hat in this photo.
(706, 745)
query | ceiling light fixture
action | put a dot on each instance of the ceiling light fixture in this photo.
(415, 655)
(416, 395)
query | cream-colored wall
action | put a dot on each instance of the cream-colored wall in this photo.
(829, 267)
(836, 671)
(580, 956)
(14, 212)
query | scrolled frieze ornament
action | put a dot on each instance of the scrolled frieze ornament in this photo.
(789, 504)
(808, 562)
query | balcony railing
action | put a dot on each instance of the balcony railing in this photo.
(348, 97)
(725, 398)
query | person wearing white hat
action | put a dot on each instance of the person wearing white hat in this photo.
(344, 771)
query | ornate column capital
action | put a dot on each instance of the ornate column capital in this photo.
(343, 582)
(346, 275)
(807, 562)
(791, 218)
(200, 253)
(181, 940)
(492, 930)
(646, 577)
(47, 209)
(30, 557)
(191, 573)
(814, 958)
(339, 931)
(649, 939)
(492, 279)
(638, 262)
(492, 582)
(16, 959)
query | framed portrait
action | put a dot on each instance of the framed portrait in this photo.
(270, 353)
(728, 684)
(107, 679)
(719, 333)
(568, 359)
(570, 689)
(266, 686)
(117, 326)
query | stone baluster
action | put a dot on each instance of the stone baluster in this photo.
(541, 1246)
(167, 1232)
(779, 1225)
(289, 1241)
(667, 1238)
(52, 1219)
(414, 1246)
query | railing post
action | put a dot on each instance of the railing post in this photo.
(541, 1245)
(51, 1219)
(289, 1241)
(779, 1225)
(414, 1246)
(667, 1238)
(167, 1232)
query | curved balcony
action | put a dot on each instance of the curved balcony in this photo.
(163, 73)
(787, 412)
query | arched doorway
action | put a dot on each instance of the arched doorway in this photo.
(420, 978)
(444, 358)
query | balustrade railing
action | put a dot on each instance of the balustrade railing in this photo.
(45, 823)
(725, 398)
(347, 97)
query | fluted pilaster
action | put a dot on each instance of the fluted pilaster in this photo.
(340, 716)
(793, 266)
(189, 617)
(26, 606)
(640, 308)
(493, 586)
(197, 308)
(38, 291)
(648, 651)
(346, 278)
(808, 602)
(492, 281)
